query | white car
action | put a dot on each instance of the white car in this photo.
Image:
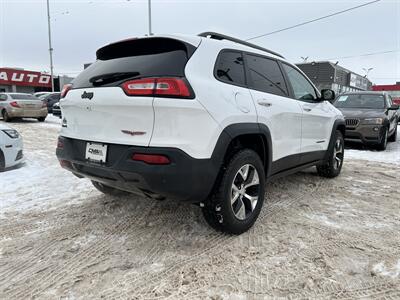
(204, 119)
(11, 147)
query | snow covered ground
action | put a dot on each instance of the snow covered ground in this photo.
(390, 156)
(39, 182)
(315, 238)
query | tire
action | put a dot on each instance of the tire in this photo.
(240, 215)
(393, 137)
(332, 167)
(108, 190)
(41, 119)
(6, 117)
(384, 139)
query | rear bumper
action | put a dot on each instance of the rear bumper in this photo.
(366, 134)
(185, 178)
(24, 113)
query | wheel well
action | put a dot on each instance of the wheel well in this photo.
(256, 142)
(341, 128)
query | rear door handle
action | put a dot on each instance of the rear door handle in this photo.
(307, 109)
(263, 102)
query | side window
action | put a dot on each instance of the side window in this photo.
(229, 67)
(3, 97)
(302, 88)
(265, 75)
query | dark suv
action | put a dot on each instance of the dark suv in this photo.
(370, 117)
(50, 100)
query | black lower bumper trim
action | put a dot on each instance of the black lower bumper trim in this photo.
(185, 178)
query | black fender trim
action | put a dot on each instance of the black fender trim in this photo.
(233, 131)
(339, 124)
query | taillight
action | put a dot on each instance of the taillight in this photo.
(152, 159)
(44, 104)
(65, 90)
(139, 87)
(162, 86)
(15, 104)
(60, 144)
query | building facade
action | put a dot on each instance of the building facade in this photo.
(26, 81)
(328, 75)
(392, 89)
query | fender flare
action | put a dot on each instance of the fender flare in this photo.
(339, 124)
(233, 131)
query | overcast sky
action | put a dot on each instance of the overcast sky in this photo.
(80, 27)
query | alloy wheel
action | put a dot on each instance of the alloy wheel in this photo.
(338, 154)
(245, 191)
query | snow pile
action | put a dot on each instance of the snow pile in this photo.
(381, 269)
(391, 155)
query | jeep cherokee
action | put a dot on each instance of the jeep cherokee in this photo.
(203, 119)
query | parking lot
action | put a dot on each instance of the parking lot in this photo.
(316, 238)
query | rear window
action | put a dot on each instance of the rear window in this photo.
(23, 97)
(229, 67)
(136, 58)
(363, 101)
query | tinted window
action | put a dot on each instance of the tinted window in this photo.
(135, 59)
(361, 101)
(265, 75)
(23, 97)
(230, 68)
(302, 88)
(3, 97)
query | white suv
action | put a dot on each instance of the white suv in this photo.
(204, 119)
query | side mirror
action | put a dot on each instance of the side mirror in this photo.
(327, 95)
(394, 107)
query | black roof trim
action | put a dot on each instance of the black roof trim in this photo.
(219, 36)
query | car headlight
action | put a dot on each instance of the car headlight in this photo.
(372, 121)
(12, 133)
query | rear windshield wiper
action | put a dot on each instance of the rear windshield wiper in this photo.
(112, 77)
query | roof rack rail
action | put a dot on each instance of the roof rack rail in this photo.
(219, 36)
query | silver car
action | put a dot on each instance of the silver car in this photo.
(19, 105)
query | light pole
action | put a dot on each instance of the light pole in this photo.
(367, 71)
(50, 47)
(149, 10)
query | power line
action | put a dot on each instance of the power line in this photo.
(365, 54)
(313, 20)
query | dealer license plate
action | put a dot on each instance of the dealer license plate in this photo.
(96, 152)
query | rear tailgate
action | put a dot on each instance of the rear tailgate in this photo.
(109, 116)
(97, 108)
